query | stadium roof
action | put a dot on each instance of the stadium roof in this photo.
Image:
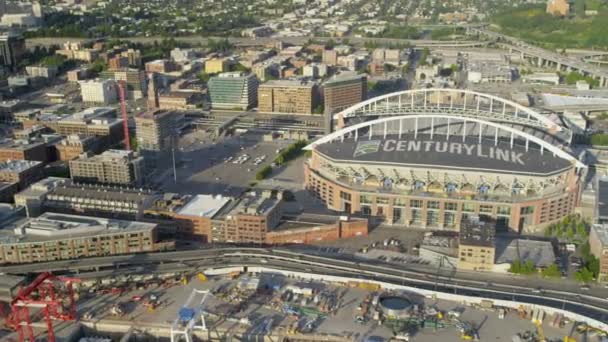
(442, 152)
(501, 148)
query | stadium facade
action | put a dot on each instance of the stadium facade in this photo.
(431, 158)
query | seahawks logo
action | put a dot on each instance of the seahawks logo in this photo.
(366, 147)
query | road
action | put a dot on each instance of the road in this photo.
(554, 294)
(421, 43)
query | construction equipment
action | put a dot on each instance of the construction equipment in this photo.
(202, 277)
(123, 110)
(42, 293)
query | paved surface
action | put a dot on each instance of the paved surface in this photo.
(342, 323)
(203, 168)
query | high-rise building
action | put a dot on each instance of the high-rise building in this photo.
(330, 57)
(152, 90)
(134, 79)
(342, 92)
(283, 96)
(12, 47)
(233, 90)
(216, 65)
(114, 167)
(99, 91)
(156, 132)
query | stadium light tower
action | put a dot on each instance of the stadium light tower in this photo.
(190, 317)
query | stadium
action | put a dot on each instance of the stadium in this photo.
(430, 157)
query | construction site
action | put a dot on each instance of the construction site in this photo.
(262, 306)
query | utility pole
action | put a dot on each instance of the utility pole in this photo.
(174, 168)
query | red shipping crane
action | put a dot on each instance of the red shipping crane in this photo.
(123, 109)
(44, 293)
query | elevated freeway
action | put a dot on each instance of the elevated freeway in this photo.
(544, 57)
(310, 261)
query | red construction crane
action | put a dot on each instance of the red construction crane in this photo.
(123, 110)
(47, 294)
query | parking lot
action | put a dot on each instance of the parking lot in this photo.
(225, 166)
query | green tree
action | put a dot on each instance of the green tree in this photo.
(551, 272)
(203, 77)
(263, 173)
(583, 275)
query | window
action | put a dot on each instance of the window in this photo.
(451, 206)
(449, 219)
(527, 210)
(503, 210)
(468, 207)
(416, 203)
(345, 196)
(486, 209)
(399, 202)
(366, 199)
(382, 200)
(432, 218)
(416, 216)
(366, 210)
(432, 204)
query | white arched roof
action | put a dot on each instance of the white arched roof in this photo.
(497, 107)
(544, 145)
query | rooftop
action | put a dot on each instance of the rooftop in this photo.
(18, 165)
(541, 253)
(94, 115)
(113, 156)
(602, 198)
(288, 83)
(448, 153)
(53, 226)
(601, 230)
(474, 232)
(256, 203)
(19, 144)
(204, 206)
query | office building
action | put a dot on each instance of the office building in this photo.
(233, 90)
(118, 62)
(135, 81)
(249, 220)
(598, 246)
(16, 175)
(291, 97)
(12, 47)
(179, 100)
(74, 145)
(100, 122)
(62, 195)
(183, 55)
(330, 57)
(156, 133)
(343, 91)
(156, 129)
(112, 167)
(476, 250)
(41, 71)
(53, 236)
(216, 65)
(18, 149)
(101, 92)
(161, 66)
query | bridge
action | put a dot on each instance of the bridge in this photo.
(544, 57)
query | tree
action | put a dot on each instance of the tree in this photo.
(263, 173)
(203, 77)
(583, 275)
(551, 272)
